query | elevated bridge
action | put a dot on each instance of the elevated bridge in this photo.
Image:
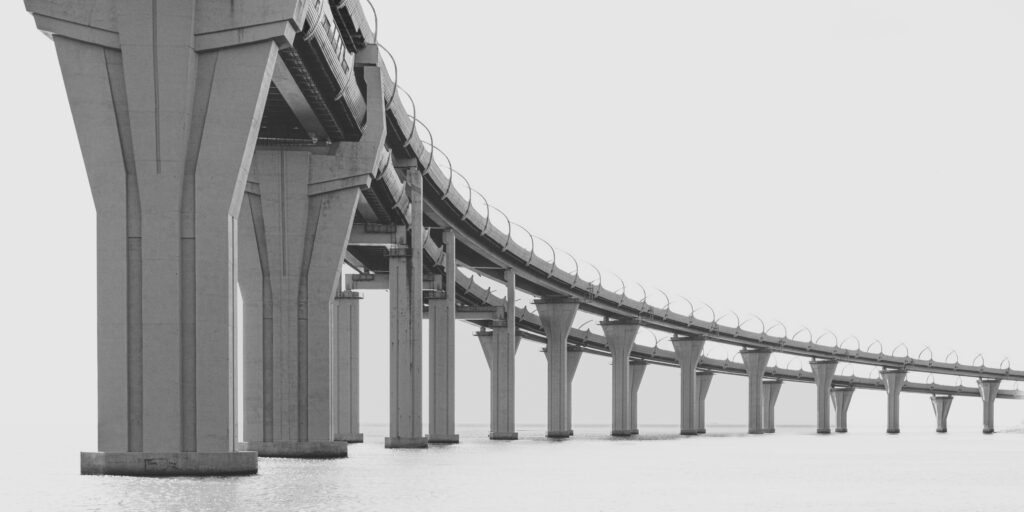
(262, 144)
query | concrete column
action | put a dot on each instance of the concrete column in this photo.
(770, 395)
(988, 388)
(841, 397)
(636, 376)
(620, 336)
(703, 385)
(502, 419)
(893, 380)
(573, 356)
(823, 371)
(346, 339)
(755, 362)
(441, 308)
(556, 316)
(167, 120)
(687, 350)
(941, 405)
(293, 233)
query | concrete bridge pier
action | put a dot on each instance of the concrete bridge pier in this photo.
(688, 350)
(500, 346)
(894, 380)
(636, 376)
(841, 397)
(406, 294)
(167, 117)
(755, 361)
(346, 340)
(556, 316)
(573, 355)
(620, 336)
(441, 379)
(824, 371)
(988, 388)
(770, 396)
(703, 385)
(941, 405)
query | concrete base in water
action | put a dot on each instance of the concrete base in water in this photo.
(298, 450)
(405, 442)
(503, 436)
(689, 432)
(447, 439)
(559, 434)
(169, 464)
(840, 430)
(349, 438)
(623, 433)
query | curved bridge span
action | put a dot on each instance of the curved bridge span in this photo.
(261, 145)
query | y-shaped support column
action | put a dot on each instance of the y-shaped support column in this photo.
(441, 309)
(703, 385)
(500, 347)
(893, 380)
(988, 388)
(556, 316)
(823, 371)
(841, 397)
(688, 351)
(620, 336)
(636, 376)
(755, 362)
(941, 405)
(346, 339)
(771, 395)
(167, 120)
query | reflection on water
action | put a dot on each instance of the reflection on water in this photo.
(793, 470)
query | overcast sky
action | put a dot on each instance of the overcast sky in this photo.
(844, 165)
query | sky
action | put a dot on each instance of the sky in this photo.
(842, 165)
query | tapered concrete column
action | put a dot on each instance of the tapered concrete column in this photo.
(703, 385)
(636, 376)
(841, 397)
(556, 316)
(573, 356)
(823, 371)
(620, 336)
(988, 388)
(296, 219)
(346, 339)
(770, 395)
(687, 350)
(755, 361)
(502, 420)
(941, 405)
(893, 380)
(167, 120)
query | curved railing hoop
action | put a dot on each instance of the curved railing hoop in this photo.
(906, 350)
(394, 79)
(705, 305)
(817, 341)
(810, 335)
(956, 358)
(881, 348)
(412, 102)
(728, 314)
(1005, 363)
(931, 355)
(692, 310)
(842, 344)
(600, 278)
(430, 134)
(785, 330)
(974, 362)
(753, 317)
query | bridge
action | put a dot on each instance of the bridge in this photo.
(262, 145)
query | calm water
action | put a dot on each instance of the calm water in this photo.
(793, 470)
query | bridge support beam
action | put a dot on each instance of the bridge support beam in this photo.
(988, 388)
(841, 397)
(770, 396)
(293, 233)
(703, 385)
(346, 361)
(688, 350)
(941, 405)
(167, 133)
(556, 316)
(573, 355)
(636, 376)
(824, 371)
(441, 381)
(620, 336)
(755, 362)
(894, 380)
